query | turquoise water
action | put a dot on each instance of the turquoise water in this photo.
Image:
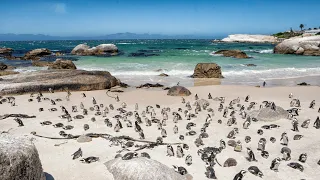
(177, 58)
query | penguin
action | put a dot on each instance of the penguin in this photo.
(265, 154)
(163, 133)
(170, 151)
(246, 123)
(286, 156)
(209, 96)
(198, 142)
(275, 164)
(303, 157)
(181, 170)
(129, 156)
(159, 125)
(247, 139)
(19, 121)
(117, 98)
(179, 152)
(222, 144)
(295, 124)
(284, 138)
(312, 104)
(183, 100)
(74, 109)
(129, 123)
(141, 135)
(261, 144)
(196, 97)
(210, 172)
(188, 160)
(117, 127)
(84, 95)
(107, 122)
(290, 95)
(255, 171)
(137, 127)
(53, 102)
(232, 133)
(305, 123)
(85, 112)
(94, 101)
(77, 154)
(86, 127)
(251, 155)
(247, 99)
(316, 124)
(175, 129)
(240, 175)
(181, 137)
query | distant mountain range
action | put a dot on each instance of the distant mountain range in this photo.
(41, 37)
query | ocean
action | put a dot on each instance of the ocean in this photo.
(177, 58)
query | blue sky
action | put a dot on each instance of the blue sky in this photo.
(171, 17)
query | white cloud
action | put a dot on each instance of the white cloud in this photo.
(60, 8)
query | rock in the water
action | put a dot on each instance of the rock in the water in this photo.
(164, 75)
(102, 49)
(178, 91)
(251, 65)
(303, 84)
(142, 169)
(233, 53)
(59, 80)
(149, 85)
(230, 162)
(3, 66)
(36, 54)
(207, 70)
(4, 52)
(83, 139)
(62, 64)
(41, 63)
(19, 159)
(267, 114)
(308, 46)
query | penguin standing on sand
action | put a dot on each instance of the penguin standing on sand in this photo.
(175, 129)
(222, 144)
(94, 101)
(170, 151)
(305, 123)
(210, 173)
(247, 99)
(275, 164)
(240, 175)
(188, 160)
(246, 123)
(317, 123)
(295, 125)
(284, 138)
(303, 157)
(179, 152)
(251, 155)
(312, 104)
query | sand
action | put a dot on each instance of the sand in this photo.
(57, 160)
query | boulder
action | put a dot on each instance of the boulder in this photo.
(36, 54)
(3, 66)
(41, 63)
(232, 53)
(308, 46)
(102, 49)
(142, 169)
(207, 70)
(230, 162)
(269, 115)
(4, 52)
(5, 73)
(247, 38)
(178, 91)
(19, 159)
(164, 75)
(251, 65)
(59, 80)
(62, 64)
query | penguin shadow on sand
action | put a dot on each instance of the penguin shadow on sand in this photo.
(48, 176)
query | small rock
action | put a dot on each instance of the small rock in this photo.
(251, 65)
(178, 91)
(163, 74)
(83, 139)
(230, 162)
(233, 53)
(303, 84)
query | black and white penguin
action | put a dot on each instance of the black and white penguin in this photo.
(170, 151)
(77, 154)
(94, 101)
(129, 156)
(196, 97)
(255, 171)
(275, 164)
(117, 127)
(246, 123)
(179, 152)
(86, 127)
(19, 121)
(303, 157)
(210, 172)
(232, 133)
(284, 139)
(305, 124)
(209, 96)
(137, 127)
(222, 144)
(74, 109)
(251, 156)
(188, 160)
(312, 104)
(247, 99)
(175, 129)
(181, 170)
(240, 175)
(316, 124)
(262, 144)
(163, 133)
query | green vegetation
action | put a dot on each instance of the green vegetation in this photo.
(286, 35)
(318, 33)
(301, 26)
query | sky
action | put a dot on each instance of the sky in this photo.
(168, 17)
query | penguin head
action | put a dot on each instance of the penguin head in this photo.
(243, 172)
(260, 174)
(135, 154)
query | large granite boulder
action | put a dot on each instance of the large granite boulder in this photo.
(102, 49)
(142, 169)
(232, 53)
(62, 64)
(4, 52)
(58, 80)
(207, 70)
(308, 46)
(36, 54)
(3, 66)
(178, 91)
(269, 115)
(248, 38)
(19, 159)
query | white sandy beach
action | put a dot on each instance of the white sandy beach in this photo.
(57, 160)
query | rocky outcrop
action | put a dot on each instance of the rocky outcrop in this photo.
(4, 52)
(178, 91)
(19, 159)
(3, 66)
(58, 80)
(5, 73)
(232, 53)
(142, 169)
(62, 64)
(246, 38)
(102, 49)
(36, 54)
(308, 46)
(207, 70)
(269, 115)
